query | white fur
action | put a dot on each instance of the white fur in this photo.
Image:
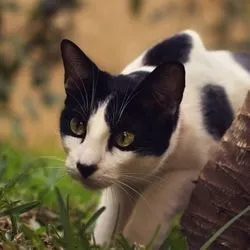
(146, 191)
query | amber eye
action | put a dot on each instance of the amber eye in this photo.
(77, 127)
(124, 139)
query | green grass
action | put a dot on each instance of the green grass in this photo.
(41, 207)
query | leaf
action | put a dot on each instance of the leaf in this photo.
(122, 241)
(93, 219)
(70, 242)
(12, 182)
(151, 242)
(32, 236)
(3, 166)
(19, 209)
(14, 230)
(174, 241)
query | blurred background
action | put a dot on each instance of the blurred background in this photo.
(111, 32)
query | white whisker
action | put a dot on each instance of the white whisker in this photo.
(136, 192)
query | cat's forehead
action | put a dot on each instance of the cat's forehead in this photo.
(112, 90)
(124, 83)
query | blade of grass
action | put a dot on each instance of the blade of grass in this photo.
(32, 236)
(151, 242)
(20, 208)
(14, 230)
(124, 243)
(222, 229)
(70, 242)
(3, 166)
(12, 182)
(93, 218)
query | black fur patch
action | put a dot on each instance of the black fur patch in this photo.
(176, 48)
(152, 130)
(137, 102)
(243, 58)
(217, 111)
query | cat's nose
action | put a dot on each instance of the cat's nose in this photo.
(86, 170)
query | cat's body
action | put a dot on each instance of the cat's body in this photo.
(150, 180)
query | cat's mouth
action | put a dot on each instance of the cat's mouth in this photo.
(92, 182)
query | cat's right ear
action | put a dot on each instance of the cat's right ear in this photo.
(77, 66)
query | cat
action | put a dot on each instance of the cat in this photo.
(144, 135)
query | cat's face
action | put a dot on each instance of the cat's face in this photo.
(116, 129)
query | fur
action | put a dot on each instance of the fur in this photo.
(175, 131)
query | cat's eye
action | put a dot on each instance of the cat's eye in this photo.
(77, 126)
(124, 139)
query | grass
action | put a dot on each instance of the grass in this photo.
(41, 207)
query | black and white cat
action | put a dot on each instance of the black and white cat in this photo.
(144, 135)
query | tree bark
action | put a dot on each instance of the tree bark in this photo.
(223, 191)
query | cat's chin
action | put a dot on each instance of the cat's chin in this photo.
(91, 183)
(94, 185)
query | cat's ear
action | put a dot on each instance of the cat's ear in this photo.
(77, 65)
(164, 87)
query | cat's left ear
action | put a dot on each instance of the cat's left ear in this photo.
(164, 87)
(77, 65)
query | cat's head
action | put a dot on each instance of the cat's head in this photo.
(116, 129)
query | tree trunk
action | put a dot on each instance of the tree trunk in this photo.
(223, 191)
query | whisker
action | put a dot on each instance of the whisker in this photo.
(122, 104)
(129, 98)
(60, 178)
(117, 184)
(50, 157)
(94, 86)
(146, 180)
(84, 116)
(80, 105)
(57, 168)
(137, 192)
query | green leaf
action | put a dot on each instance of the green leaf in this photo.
(122, 241)
(32, 236)
(19, 209)
(175, 240)
(151, 242)
(12, 182)
(93, 219)
(13, 219)
(3, 166)
(70, 243)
